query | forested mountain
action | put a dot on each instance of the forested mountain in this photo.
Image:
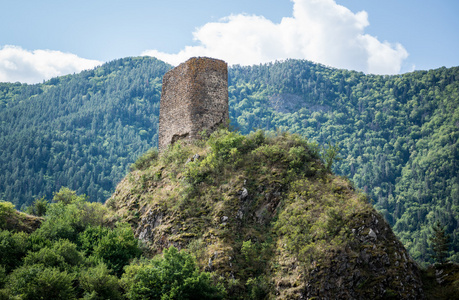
(80, 131)
(398, 134)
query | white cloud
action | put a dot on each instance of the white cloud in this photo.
(319, 30)
(17, 64)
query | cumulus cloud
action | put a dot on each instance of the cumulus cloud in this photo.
(319, 30)
(17, 64)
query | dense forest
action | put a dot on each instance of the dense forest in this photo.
(398, 134)
(78, 131)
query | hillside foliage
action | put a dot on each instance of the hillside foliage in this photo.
(398, 135)
(79, 253)
(265, 215)
(79, 131)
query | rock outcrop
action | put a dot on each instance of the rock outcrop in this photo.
(266, 217)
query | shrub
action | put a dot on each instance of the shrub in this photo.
(258, 287)
(89, 239)
(65, 221)
(145, 160)
(176, 154)
(98, 283)
(118, 247)
(38, 282)
(67, 196)
(62, 254)
(223, 141)
(6, 210)
(173, 276)
(2, 277)
(13, 247)
(38, 208)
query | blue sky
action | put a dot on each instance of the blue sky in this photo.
(47, 38)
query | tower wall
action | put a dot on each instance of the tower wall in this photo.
(194, 98)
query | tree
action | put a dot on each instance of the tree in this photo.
(67, 196)
(117, 247)
(98, 283)
(330, 155)
(173, 276)
(38, 282)
(38, 208)
(440, 243)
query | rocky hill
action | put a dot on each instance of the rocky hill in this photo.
(398, 134)
(265, 215)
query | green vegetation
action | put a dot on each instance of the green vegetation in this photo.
(441, 281)
(440, 243)
(80, 253)
(263, 213)
(398, 135)
(257, 217)
(79, 131)
(173, 276)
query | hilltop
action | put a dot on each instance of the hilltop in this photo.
(398, 134)
(265, 215)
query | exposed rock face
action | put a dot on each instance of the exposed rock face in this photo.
(194, 98)
(262, 214)
(374, 265)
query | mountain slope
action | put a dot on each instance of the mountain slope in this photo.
(79, 131)
(263, 213)
(398, 134)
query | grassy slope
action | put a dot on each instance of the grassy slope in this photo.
(263, 213)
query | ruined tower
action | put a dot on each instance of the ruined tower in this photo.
(194, 98)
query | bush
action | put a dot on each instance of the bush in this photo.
(6, 209)
(63, 254)
(13, 247)
(173, 276)
(38, 208)
(89, 239)
(222, 142)
(38, 282)
(65, 220)
(258, 287)
(117, 247)
(145, 160)
(98, 283)
(67, 196)
(2, 276)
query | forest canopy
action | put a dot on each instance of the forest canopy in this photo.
(398, 134)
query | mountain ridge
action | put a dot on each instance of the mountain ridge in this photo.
(398, 134)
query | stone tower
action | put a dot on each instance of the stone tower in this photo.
(194, 98)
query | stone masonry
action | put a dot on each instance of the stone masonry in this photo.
(194, 98)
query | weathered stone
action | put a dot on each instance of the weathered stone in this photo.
(194, 158)
(194, 98)
(372, 234)
(244, 194)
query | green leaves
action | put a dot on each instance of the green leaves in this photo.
(6, 210)
(72, 255)
(117, 247)
(98, 283)
(173, 276)
(440, 243)
(330, 154)
(40, 282)
(145, 160)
